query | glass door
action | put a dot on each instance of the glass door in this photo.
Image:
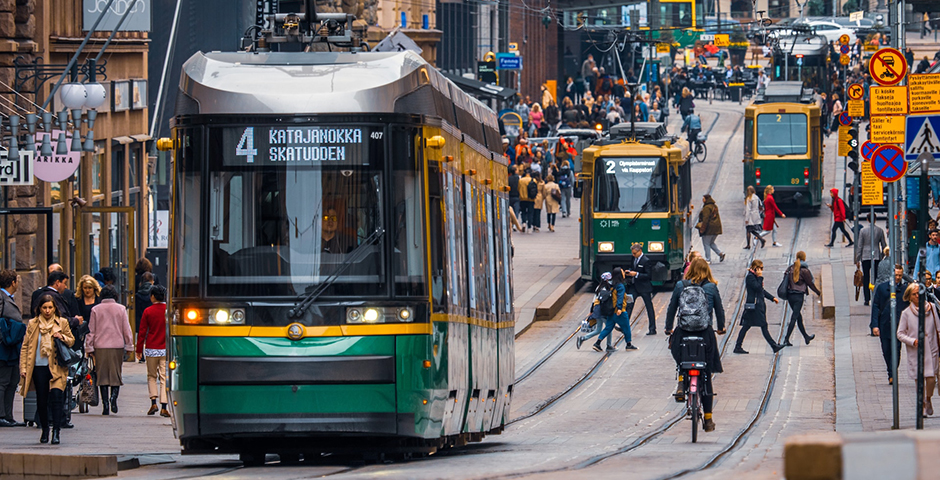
(105, 242)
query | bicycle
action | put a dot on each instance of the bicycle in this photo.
(692, 374)
(699, 150)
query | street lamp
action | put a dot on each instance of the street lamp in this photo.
(76, 97)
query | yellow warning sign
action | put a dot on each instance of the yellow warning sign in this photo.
(870, 48)
(662, 48)
(887, 129)
(872, 186)
(844, 147)
(888, 100)
(722, 40)
(856, 108)
(924, 92)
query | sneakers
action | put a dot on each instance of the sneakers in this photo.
(153, 409)
(630, 346)
(611, 348)
(164, 413)
(777, 244)
(597, 347)
(740, 350)
(708, 425)
(721, 257)
(578, 342)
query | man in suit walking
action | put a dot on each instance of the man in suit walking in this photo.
(642, 286)
(872, 234)
(9, 363)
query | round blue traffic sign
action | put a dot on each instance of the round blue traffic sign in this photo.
(869, 148)
(845, 119)
(888, 163)
(844, 49)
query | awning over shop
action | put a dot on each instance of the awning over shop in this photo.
(480, 89)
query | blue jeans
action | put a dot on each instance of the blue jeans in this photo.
(935, 187)
(624, 321)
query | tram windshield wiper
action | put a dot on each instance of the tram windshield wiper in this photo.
(355, 256)
(642, 210)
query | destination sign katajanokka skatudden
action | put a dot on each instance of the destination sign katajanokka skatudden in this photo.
(298, 145)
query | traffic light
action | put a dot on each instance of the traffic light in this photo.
(853, 149)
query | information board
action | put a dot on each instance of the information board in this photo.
(887, 129)
(844, 147)
(264, 145)
(872, 187)
(722, 40)
(856, 108)
(924, 93)
(888, 100)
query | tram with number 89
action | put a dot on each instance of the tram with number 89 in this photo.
(340, 270)
(783, 145)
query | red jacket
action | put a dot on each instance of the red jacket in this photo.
(770, 212)
(838, 209)
(152, 328)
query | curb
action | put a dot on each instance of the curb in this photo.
(21, 466)
(555, 301)
(909, 455)
(828, 298)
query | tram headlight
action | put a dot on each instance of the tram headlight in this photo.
(656, 246)
(371, 315)
(363, 315)
(605, 247)
(404, 314)
(226, 316)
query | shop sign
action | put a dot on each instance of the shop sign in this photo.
(138, 20)
(16, 172)
(55, 168)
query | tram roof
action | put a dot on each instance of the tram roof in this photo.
(803, 44)
(313, 82)
(784, 92)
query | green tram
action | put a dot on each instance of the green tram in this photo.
(636, 187)
(340, 270)
(783, 145)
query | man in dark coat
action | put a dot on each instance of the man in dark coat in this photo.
(642, 285)
(12, 331)
(755, 310)
(881, 316)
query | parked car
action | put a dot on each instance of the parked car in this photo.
(863, 27)
(826, 28)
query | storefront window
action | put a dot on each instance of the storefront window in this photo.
(97, 159)
(117, 173)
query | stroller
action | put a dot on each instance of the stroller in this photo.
(83, 375)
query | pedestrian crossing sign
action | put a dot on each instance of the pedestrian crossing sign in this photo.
(922, 135)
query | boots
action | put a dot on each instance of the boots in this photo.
(44, 437)
(56, 401)
(106, 409)
(114, 396)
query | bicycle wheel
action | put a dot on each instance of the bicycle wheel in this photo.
(699, 151)
(693, 405)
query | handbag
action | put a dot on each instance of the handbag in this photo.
(782, 289)
(88, 390)
(65, 356)
(859, 282)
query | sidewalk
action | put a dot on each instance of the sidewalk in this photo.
(546, 268)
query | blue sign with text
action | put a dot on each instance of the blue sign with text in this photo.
(508, 61)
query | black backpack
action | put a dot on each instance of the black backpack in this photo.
(693, 313)
(532, 189)
(605, 300)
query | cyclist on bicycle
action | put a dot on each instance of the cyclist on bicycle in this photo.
(692, 124)
(699, 274)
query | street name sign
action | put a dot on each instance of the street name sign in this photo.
(922, 136)
(508, 61)
(924, 93)
(887, 67)
(18, 172)
(888, 163)
(872, 186)
(887, 129)
(888, 100)
(856, 16)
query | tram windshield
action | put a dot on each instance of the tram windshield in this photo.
(631, 184)
(782, 134)
(289, 206)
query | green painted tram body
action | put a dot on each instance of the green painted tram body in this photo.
(434, 367)
(665, 234)
(783, 146)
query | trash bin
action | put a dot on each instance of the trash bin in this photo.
(735, 93)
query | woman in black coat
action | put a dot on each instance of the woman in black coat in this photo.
(755, 311)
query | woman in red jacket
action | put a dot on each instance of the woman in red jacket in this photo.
(152, 335)
(838, 217)
(770, 214)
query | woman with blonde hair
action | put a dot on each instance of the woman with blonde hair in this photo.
(535, 119)
(686, 104)
(752, 220)
(799, 283)
(699, 274)
(88, 294)
(39, 365)
(907, 334)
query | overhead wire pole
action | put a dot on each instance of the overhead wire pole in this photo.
(895, 204)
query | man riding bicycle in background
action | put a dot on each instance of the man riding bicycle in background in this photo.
(692, 124)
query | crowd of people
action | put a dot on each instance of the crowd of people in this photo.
(91, 323)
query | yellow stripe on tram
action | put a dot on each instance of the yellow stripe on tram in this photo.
(321, 331)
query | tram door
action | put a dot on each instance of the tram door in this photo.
(106, 238)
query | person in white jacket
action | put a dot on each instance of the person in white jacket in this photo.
(752, 218)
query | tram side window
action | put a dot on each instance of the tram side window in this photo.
(782, 134)
(188, 216)
(631, 184)
(408, 210)
(436, 237)
(749, 138)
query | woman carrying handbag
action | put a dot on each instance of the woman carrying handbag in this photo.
(755, 310)
(797, 281)
(40, 366)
